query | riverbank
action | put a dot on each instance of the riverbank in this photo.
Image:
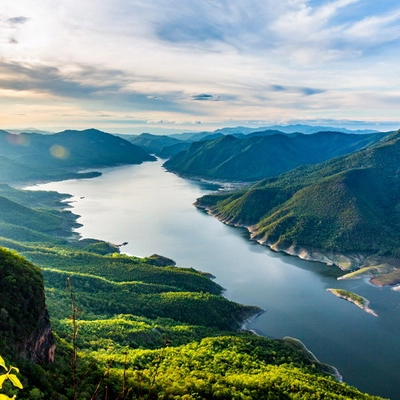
(301, 347)
(381, 271)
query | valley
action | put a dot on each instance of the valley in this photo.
(140, 304)
(291, 291)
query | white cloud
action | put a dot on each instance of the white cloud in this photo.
(377, 29)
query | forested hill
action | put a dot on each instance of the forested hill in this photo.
(263, 154)
(347, 205)
(32, 156)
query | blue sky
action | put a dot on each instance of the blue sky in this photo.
(169, 65)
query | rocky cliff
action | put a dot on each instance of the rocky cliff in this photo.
(25, 330)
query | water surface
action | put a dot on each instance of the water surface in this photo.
(152, 210)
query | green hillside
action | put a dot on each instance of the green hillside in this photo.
(346, 205)
(263, 154)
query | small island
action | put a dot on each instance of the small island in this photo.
(359, 301)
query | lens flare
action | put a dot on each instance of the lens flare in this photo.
(59, 152)
(18, 140)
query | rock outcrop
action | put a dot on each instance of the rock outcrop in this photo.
(25, 329)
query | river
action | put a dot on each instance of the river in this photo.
(152, 210)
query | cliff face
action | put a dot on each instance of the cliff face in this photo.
(24, 321)
(40, 346)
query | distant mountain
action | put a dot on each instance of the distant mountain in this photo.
(243, 130)
(238, 130)
(153, 144)
(169, 151)
(167, 146)
(343, 211)
(299, 128)
(30, 130)
(263, 154)
(307, 129)
(32, 156)
(267, 132)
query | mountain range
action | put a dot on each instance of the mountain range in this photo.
(263, 154)
(345, 211)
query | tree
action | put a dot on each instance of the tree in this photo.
(9, 376)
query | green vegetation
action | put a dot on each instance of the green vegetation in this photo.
(226, 367)
(23, 315)
(10, 376)
(262, 154)
(342, 206)
(354, 298)
(128, 327)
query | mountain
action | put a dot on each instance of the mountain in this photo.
(33, 156)
(153, 144)
(267, 132)
(169, 151)
(344, 211)
(263, 154)
(88, 148)
(167, 146)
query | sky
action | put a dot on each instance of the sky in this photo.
(160, 66)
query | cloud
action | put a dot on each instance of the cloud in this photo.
(307, 91)
(168, 60)
(84, 84)
(204, 97)
(15, 76)
(9, 27)
(376, 29)
(152, 97)
(252, 26)
(310, 91)
(17, 20)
